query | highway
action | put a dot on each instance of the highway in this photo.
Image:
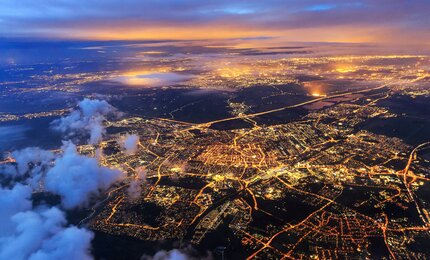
(248, 116)
(423, 217)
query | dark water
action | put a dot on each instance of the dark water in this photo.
(28, 133)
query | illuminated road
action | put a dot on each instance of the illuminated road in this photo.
(208, 124)
(407, 184)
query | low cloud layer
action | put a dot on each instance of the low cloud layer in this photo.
(31, 163)
(43, 233)
(39, 233)
(13, 201)
(174, 254)
(129, 142)
(34, 155)
(87, 120)
(134, 189)
(186, 253)
(77, 178)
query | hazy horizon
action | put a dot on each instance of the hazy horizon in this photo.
(362, 21)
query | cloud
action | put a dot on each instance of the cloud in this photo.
(86, 120)
(13, 201)
(174, 254)
(41, 168)
(34, 155)
(41, 233)
(69, 243)
(129, 142)
(31, 163)
(185, 253)
(134, 189)
(77, 178)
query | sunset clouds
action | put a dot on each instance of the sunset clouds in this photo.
(311, 20)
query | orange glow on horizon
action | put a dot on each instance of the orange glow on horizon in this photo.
(263, 36)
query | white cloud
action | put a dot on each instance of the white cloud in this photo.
(134, 189)
(76, 178)
(186, 253)
(129, 142)
(13, 201)
(43, 233)
(28, 233)
(69, 243)
(38, 157)
(86, 120)
(174, 254)
(31, 163)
